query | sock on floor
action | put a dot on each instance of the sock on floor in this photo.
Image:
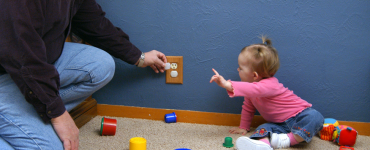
(265, 141)
(293, 141)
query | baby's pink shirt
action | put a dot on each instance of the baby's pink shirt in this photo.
(273, 101)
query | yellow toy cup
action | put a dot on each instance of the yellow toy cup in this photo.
(137, 143)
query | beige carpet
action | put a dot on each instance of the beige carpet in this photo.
(169, 136)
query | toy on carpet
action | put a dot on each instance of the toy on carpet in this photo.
(228, 142)
(345, 135)
(137, 143)
(342, 134)
(108, 126)
(328, 129)
(170, 118)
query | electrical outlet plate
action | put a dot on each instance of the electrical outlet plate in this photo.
(179, 63)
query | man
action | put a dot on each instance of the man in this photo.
(42, 77)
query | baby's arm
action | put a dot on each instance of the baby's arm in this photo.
(221, 81)
(246, 118)
(227, 85)
(247, 114)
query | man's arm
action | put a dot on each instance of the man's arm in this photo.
(90, 24)
(23, 56)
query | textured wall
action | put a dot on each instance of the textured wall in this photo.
(323, 47)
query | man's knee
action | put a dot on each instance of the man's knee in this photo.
(105, 67)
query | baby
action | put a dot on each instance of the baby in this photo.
(291, 120)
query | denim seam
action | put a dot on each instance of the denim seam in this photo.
(72, 88)
(269, 133)
(20, 129)
(317, 130)
(74, 57)
(67, 91)
(291, 127)
(286, 124)
(81, 69)
(298, 132)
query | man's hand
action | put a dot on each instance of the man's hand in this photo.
(156, 60)
(221, 81)
(237, 130)
(67, 131)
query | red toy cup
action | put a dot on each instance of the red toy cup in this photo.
(108, 126)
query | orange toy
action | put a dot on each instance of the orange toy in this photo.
(327, 132)
(328, 129)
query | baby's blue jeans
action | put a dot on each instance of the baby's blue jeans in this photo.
(83, 69)
(305, 124)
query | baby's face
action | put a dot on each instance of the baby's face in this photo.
(245, 69)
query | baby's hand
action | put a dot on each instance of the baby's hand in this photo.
(220, 81)
(237, 130)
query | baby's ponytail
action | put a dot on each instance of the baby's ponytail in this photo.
(266, 41)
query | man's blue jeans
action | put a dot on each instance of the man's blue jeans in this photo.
(82, 70)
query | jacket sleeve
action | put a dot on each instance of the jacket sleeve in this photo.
(23, 56)
(90, 24)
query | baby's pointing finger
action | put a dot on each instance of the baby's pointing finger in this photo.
(215, 71)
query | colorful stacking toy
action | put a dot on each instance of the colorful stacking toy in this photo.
(342, 134)
(328, 129)
(345, 135)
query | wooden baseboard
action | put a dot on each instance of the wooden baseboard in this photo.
(363, 128)
(199, 117)
(84, 112)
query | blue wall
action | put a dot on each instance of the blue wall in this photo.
(324, 49)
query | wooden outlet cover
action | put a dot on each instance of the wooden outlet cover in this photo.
(179, 61)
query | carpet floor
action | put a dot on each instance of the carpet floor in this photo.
(169, 136)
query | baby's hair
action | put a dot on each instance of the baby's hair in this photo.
(265, 59)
